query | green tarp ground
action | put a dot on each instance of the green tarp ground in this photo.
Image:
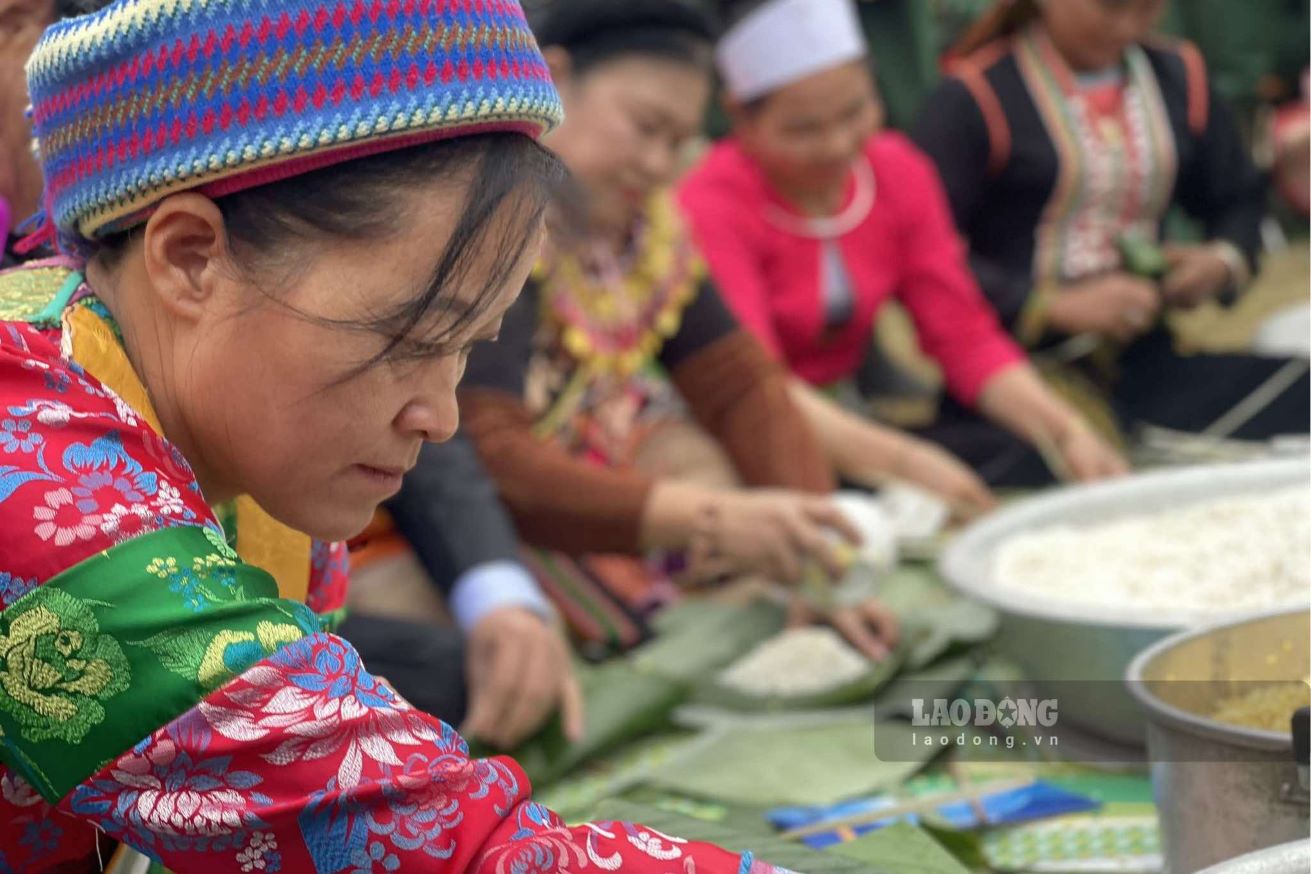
(782, 764)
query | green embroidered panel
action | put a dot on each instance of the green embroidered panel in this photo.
(332, 620)
(37, 294)
(123, 643)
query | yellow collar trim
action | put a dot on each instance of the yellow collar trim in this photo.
(262, 541)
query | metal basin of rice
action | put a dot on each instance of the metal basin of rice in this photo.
(1056, 641)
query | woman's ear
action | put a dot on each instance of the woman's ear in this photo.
(561, 65)
(184, 247)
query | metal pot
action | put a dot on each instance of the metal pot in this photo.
(1055, 641)
(1291, 858)
(1222, 790)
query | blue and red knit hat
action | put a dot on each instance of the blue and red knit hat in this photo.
(146, 98)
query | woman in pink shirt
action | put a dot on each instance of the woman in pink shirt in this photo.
(812, 219)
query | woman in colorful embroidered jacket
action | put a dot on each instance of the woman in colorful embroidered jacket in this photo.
(283, 226)
(812, 219)
(581, 411)
(1064, 136)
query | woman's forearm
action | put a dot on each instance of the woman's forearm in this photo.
(673, 513)
(860, 450)
(1017, 399)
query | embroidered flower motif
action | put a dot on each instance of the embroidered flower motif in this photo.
(172, 794)
(53, 414)
(226, 553)
(107, 473)
(50, 413)
(17, 792)
(653, 843)
(57, 382)
(232, 651)
(182, 581)
(102, 489)
(203, 582)
(336, 671)
(167, 459)
(260, 854)
(62, 522)
(56, 667)
(169, 500)
(163, 567)
(550, 851)
(329, 576)
(16, 435)
(611, 862)
(13, 587)
(122, 524)
(126, 414)
(375, 858)
(316, 694)
(41, 836)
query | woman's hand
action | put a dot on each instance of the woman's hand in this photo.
(1116, 305)
(776, 533)
(1197, 274)
(868, 626)
(1088, 457)
(934, 469)
(519, 673)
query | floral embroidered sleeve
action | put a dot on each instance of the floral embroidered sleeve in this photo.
(329, 575)
(156, 689)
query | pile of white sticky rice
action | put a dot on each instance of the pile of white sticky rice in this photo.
(1208, 558)
(800, 661)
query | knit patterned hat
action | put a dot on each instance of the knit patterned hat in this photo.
(147, 98)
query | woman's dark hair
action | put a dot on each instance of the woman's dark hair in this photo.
(596, 31)
(733, 11)
(71, 8)
(512, 179)
(1004, 18)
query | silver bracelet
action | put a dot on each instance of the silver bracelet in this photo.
(1239, 271)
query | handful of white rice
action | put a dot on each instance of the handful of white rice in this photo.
(1208, 558)
(799, 661)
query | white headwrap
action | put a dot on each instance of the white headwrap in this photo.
(785, 41)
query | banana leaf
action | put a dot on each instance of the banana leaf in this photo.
(935, 620)
(901, 847)
(911, 588)
(943, 634)
(698, 638)
(936, 623)
(622, 704)
(1142, 257)
(941, 680)
(950, 628)
(610, 775)
(776, 763)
